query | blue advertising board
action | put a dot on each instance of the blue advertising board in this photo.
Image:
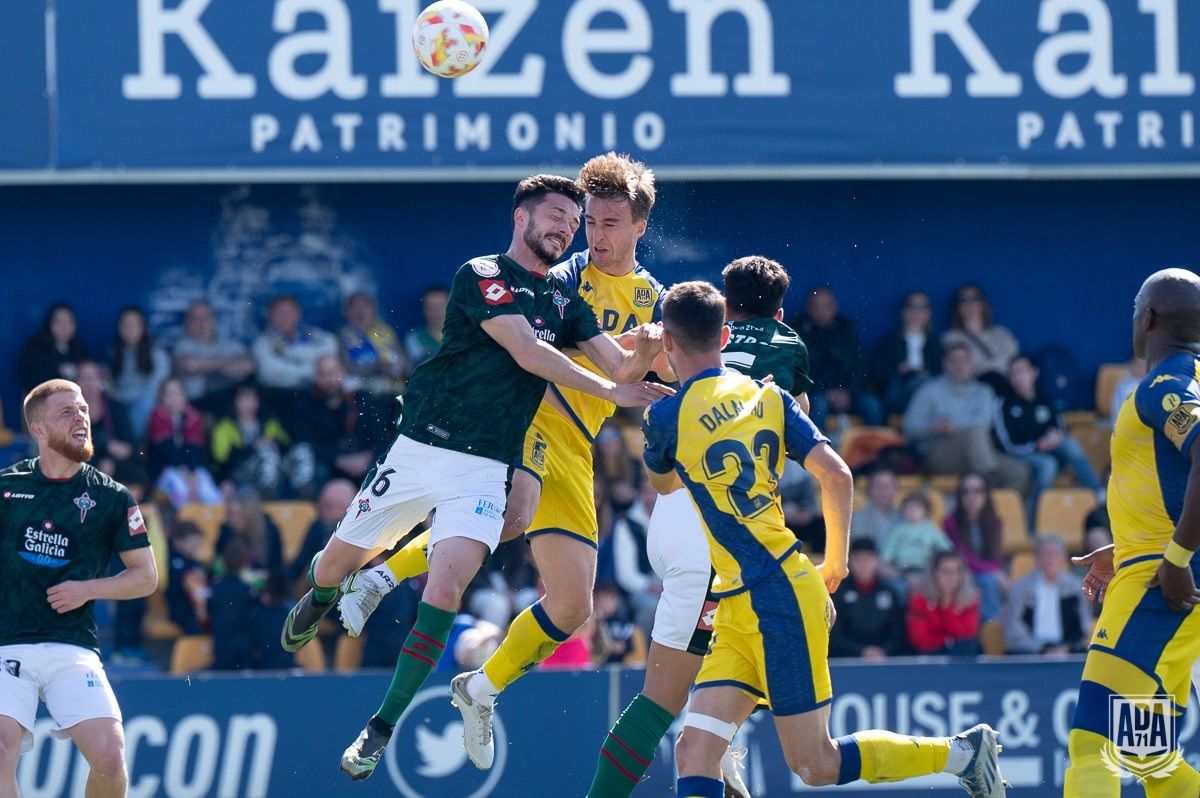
(766, 88)
(278, 735)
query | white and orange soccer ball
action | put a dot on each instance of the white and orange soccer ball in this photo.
(449, 38)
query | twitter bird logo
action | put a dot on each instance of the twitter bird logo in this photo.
(441, 754)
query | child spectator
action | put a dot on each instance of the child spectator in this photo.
(231, 608)
(914, 540)
(138, 367)
(943, 616)
(187, 590)
(177, 445)
(246, 521)
(977, 533)
(269, 617)
(250, 448)
(870, 610)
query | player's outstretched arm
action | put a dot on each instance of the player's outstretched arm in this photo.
(627, 359)
(1174, 574)
(139, 579)
(537, 357)
(837, 498)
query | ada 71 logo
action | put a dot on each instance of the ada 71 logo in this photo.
(495, 292)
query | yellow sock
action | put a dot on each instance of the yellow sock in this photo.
(881, 756)
(1089, 776)
(531, 638)
(412, 560)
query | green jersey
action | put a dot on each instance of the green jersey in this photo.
(54, 531)
(758, 347)
(472, 396)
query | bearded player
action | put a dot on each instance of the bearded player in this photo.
(466, 414)
(552, 499)
(61, 520)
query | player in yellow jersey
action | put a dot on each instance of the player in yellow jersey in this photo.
(1137, 675)
(551, 499)
(724, 437)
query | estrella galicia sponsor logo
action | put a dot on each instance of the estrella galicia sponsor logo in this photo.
(1142, 738)
(433, 729)
(45, 547)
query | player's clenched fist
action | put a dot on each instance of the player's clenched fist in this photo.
(67, 596)
(640, 394)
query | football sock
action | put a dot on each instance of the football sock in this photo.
(418, 656)
(699, 787)
(880, 756)
(629, 748)
(412, 560)
(321, 595)
(531, 638)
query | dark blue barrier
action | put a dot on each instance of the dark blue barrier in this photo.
(275, 735)
(740, 86)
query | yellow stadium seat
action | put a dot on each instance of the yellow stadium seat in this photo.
(348, 655)
(293, 519)
(1079, 418)
(1106, 382)
(311, 657)
(209, 518)
(1023, 562)
(1011, 509)
(937, 506)
(991, 638)
(908, 482)
(1062, 512)
(1096, 441)
(191, 653)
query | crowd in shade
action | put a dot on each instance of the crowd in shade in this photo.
(957, 438)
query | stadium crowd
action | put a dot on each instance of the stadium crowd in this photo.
(974, 484)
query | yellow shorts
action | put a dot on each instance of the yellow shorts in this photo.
(1140, 647)
(560, 457)
(772, 641)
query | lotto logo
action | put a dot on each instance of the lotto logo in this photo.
(495, 292)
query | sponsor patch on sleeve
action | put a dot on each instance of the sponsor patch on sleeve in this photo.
(484, 267)
(137, 526)
(495, 292)
(1180, 424)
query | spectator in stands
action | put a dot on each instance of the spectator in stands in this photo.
(1027, 427)
(210, 366)
(634, 574)
(909, 356)
(916, 539)
(332, 501)
(287, 351)
(53, 352)
(879, 515)
(1046, 612)
(250, 448)
(614, 460)
(187, 583)
(798, 493)
(616, 639)
(950, 421)
(246, 522)
(836, 361)
(1127, 385)
(231, 608)
(177, 445)
(423, 342)
(343, 428)
(943, 615)
(870, 609)
(977, 533)
(992, 347)
(112, 433)
(138, 366)
(371, 349)
(268, 617)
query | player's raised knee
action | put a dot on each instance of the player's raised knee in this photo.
(107, 760)
(817, 766)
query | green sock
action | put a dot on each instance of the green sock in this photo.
(418, 656)
(321, 595)
(629, 748)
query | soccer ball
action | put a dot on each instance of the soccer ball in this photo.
(449, 38)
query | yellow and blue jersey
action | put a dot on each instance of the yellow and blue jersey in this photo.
(620, 304)
(1151, 441)
(727, 436)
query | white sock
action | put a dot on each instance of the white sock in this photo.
(960, 755)
(481, 689)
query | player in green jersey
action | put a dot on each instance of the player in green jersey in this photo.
(465, 417)
(61, 520)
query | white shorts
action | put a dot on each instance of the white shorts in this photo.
(466, 493)
(678, 550)
(70, 679)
